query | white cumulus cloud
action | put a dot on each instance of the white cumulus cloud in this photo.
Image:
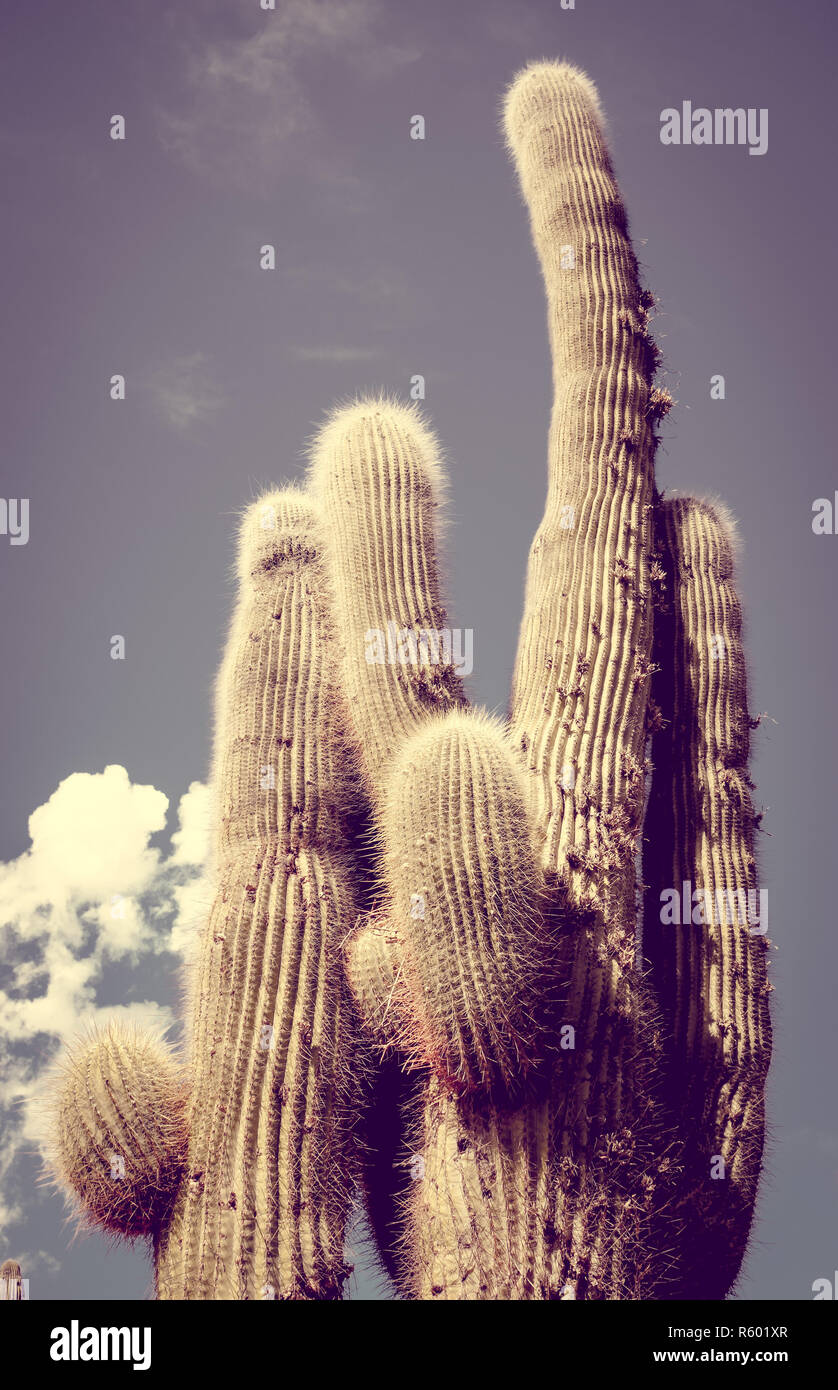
(89, 891)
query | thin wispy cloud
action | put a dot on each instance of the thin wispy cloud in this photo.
(333, 354)
(385, 296)
(183, 391)
(90, 890)
(519, 28)
(245, 101)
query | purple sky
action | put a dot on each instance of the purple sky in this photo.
(394, 257)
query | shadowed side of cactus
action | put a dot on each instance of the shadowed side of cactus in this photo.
(710, 960)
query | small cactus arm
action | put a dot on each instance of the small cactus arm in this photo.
(251, 1201)
(119, 1129)
(11, 1282)
(596, 1179)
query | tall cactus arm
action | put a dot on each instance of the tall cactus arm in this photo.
(262, 1210)
(705, 921)
(420, 976)
(246, 1187)
(377, 472)
(581, 676)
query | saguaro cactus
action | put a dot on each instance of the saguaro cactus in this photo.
(586, 1117)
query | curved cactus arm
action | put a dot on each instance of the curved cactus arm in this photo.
(118, 1128)
(581, 677)
(704, 931)
(262, 1210)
